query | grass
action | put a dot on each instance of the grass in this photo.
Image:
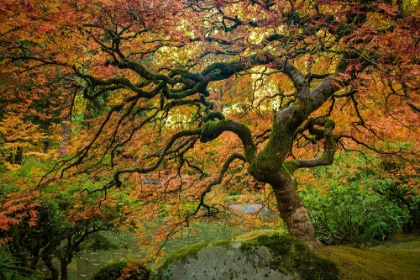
(398, 259)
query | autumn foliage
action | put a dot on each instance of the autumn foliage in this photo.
(166, 110)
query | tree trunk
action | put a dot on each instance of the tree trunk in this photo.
(46, 146)
(49, 264)
(66, 124)
(19, 156)
(293, 211)
(270, 165)
(15, 157)
(64, 143)
(63, 268)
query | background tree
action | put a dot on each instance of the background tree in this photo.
(174, 75)
(48, 228)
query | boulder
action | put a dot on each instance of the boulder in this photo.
(264, 257)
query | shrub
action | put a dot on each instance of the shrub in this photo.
(402, 187)
(122, 270)
(348, 210)
(351, 215)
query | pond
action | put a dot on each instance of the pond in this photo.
(87, 263)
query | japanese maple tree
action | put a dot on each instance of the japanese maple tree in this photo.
(151, 85)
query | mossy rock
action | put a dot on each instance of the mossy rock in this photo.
(264, 257)
(130, 270)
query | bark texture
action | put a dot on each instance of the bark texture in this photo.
(292, 210)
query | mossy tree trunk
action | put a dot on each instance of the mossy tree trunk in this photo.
(292, 210)
(270, 165)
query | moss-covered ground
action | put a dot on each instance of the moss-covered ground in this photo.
(396, 259)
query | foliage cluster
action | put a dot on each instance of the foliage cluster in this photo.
(345, 206)
(122, 270)
(401, 185)
(52, 224)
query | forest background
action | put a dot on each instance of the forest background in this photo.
(116, 115)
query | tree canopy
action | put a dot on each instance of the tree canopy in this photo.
(171, 105)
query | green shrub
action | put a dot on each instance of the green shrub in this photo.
(402, 187)
(348, 214)
(129, 270)
(348, 210)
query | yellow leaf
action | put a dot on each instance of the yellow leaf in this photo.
(10, 166)
(36, 154)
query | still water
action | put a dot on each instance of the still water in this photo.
(85, 265)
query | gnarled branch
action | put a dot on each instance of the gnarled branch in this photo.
(329, 150)
(212, 129)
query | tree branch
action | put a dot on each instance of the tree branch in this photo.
(329, 150)
(215, 182)
(212, 129)
(414, 107)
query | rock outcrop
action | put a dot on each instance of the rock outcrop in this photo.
(265, 257)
